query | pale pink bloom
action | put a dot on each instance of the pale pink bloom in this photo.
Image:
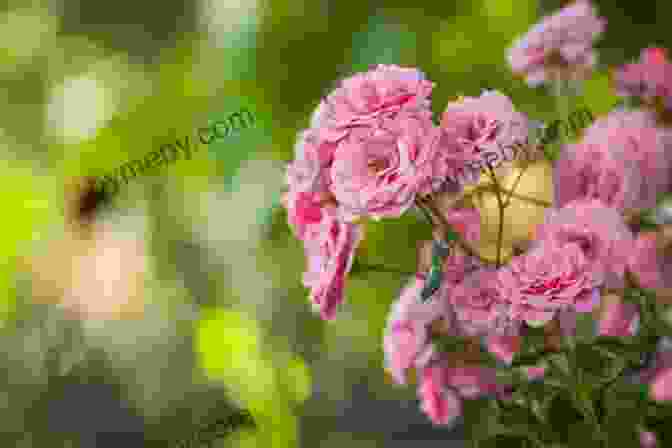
(442, 389)
(619, 318)
(365, 97)
(599, 231)
(661, 386)
(480, 307)
(648, 439)
(563, 40)
(465, 221)
(648, 79)
(646, 262)
(547, 279)
(504, 347)
(535, 373)
(407, 333)
(476, 131)
(441, 404)
(306, 172)
(379, 174)
(330, 249)
(620, 160)
(471, 381)
(307, 186)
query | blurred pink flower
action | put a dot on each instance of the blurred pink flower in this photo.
(407, 334)
(473, 128)
(599, 231)
(646, 262)
(562, 41)
(661, 386)
(620, 160)
(442, 389)
(648, 79)
(330, 248)
(479, 306)
(380, 174)
(618, 318)
(534, 373)
(547, 279)
(648, 439)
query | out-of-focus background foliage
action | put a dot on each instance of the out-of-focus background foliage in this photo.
(86, 85)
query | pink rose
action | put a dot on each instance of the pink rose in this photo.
(648, 79)
(646, 262)
(547, 279)
(442, 389)
(563, 40)
(307, 182)
(618, 318)
(621, 160)
(480, 307)
(478, 132)
(365, 97)
(407, 334)
(599, 231)
(380, 173)
(661, 387)
(442, 405)
(648, 439)
(330, 248)
(535, 373)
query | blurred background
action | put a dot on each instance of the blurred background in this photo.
(136, 320)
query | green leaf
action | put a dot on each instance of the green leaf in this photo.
(596, 366)
(506, 441)
(480, 418)
(562, 415)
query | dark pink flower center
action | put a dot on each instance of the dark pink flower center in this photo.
(541, 287)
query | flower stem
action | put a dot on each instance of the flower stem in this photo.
(500, 203)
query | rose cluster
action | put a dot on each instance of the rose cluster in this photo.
(373, 151)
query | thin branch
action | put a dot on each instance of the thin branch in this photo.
(489, 188)
(500, 204)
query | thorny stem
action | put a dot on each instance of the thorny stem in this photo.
(515, 185)
(500, 203)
